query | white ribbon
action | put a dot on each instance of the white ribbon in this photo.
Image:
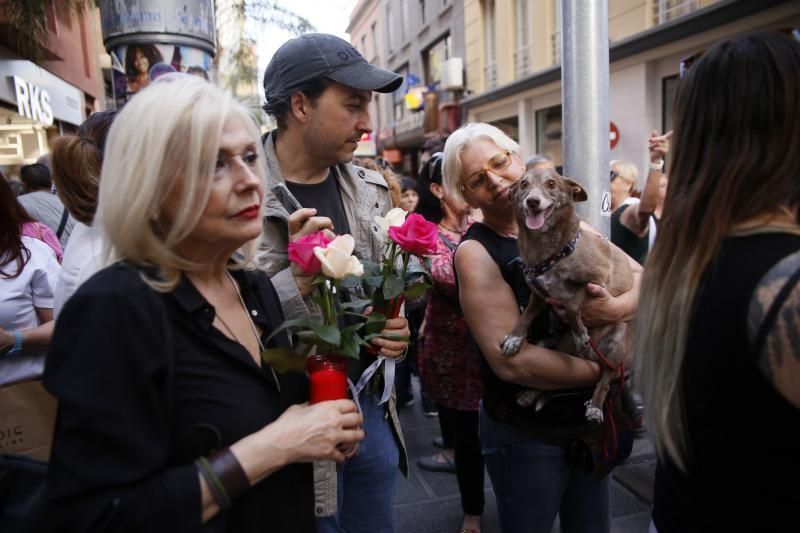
(388, 378)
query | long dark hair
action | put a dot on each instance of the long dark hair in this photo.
(12, 216)
(149, 51)
(430, 206)
(736, 157)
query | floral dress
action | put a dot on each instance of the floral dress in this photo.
(448, 355)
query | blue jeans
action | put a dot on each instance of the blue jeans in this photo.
(367, 481)
(533, 482)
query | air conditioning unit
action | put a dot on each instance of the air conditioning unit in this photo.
(452, 74)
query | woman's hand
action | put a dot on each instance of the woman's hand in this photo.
(658, 145)
(326, 430)
(599, 307)
(6, 340)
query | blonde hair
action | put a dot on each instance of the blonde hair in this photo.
(166, 137)
(627, 171)
(458, 141)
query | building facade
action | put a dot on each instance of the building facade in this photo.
(366, 35)
(42, 99)
(424, 41)
(513, 63)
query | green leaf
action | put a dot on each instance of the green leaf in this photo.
(284, 360)
(373, 281)
(305, 322)
(350, 345)
(416, 290)
(375, 323)
(392, 287)
(327, 334)
(355, 304)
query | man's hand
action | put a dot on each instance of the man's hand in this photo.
(393, 348)
(305, 222)
(301, 223)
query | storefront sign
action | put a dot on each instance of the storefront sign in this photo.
(33, 102)
(39, 95)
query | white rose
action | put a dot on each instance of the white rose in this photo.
(337, 259)
(395, 217)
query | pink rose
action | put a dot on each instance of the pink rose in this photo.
(416, 236)
(301, 252)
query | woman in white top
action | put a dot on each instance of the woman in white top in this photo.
(77, 160)
(28, 273)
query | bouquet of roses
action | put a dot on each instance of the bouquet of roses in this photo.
(397, 276)
(332, 265)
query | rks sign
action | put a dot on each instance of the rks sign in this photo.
(33, 102)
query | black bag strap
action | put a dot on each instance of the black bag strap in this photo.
(447, 242)
(63, 223)
(769, 319)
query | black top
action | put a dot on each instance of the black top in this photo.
(744, 436)
(628, 241)
(326, 198)
(146, 385)
(558, 421)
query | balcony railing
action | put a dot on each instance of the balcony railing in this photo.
(490, 75)
(666, 10)
(523, 61)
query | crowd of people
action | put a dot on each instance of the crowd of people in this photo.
(144, 292)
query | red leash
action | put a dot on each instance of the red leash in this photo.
(608, 405)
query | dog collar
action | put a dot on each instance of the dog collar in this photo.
(540, 268)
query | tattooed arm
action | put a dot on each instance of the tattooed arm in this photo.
(779, 359)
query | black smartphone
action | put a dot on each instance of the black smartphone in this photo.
(286, 198)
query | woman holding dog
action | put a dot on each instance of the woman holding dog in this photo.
(720, 310)
(533, 472)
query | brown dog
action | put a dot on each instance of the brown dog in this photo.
(560, 259)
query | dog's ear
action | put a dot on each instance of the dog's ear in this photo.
(578, 194)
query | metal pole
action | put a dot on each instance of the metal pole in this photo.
(584, 92)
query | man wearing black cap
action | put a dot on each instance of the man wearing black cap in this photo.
(318, 88)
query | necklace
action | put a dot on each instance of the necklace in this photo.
(459, 231)
(252, 325)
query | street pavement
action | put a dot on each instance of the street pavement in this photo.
(429, 502)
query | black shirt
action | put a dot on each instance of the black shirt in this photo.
(744, 436)
(146, 385)
(326, 198)
(630, 243)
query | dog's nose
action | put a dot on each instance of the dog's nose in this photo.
(533, 202)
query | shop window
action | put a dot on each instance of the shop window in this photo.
(549, 133)
(399, 96)
(509, 126)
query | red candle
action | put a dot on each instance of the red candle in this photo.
(328, 378)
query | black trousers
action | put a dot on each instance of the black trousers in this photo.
(460, 432)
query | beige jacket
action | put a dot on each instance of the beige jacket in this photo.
(365, 194)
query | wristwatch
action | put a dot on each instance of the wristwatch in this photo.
(17, 342)
(657, 166)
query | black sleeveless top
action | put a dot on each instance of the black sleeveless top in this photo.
(630, 243)
(559, 422)
(744, 436)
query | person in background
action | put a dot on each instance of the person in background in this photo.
(539, 161)
(534, 474)
(34, 228)
(165, 407)
(716, 336)
(408, 195)
(624, 176)
(318, 88)
(77, 160)
(28, 274)
(42, 205)
(449, 359)
(633, 224)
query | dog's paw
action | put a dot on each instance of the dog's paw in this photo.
(594, 414)
(510, 345)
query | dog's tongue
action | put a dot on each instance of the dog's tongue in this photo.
(535, 221)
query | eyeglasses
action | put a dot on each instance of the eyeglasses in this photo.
(497, 165)
(614, 175)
